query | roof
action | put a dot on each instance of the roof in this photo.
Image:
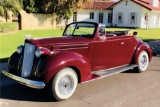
(104, 5)
(100, 5)
(144, 3)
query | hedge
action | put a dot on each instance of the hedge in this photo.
(6, 27)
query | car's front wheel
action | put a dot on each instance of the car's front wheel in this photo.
(143, 61)
(64, 84)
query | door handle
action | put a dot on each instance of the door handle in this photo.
(122, 43)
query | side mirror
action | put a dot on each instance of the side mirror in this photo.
(135, 33)
(77, 27)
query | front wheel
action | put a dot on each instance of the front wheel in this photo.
(64, 84)
(143, 61)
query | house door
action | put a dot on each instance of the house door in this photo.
(101, 15)
(110, 15)
(132, 19)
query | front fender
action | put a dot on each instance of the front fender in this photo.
(55, 63)
(142, 47)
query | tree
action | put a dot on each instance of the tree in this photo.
(32, 6)
(8, 5)
(61, 8)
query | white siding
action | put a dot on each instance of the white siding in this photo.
(85, 16)
(126, 10)
(153, 19)
(143, 21)
(131, 7)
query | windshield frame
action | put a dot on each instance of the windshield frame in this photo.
(76, 23)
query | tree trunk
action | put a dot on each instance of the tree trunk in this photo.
(6, 16)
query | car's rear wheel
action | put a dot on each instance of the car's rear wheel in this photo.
(143, 61)
(64, 84)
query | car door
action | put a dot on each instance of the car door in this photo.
(111, 52)
(128, 47)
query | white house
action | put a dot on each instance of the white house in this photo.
(122, 13)
(137, 13)
(100, 11)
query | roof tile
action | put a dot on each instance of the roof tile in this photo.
(104, 5)
(146, 4)
(100, 5)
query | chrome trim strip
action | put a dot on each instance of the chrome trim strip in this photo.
(110, 68)
(38, 65)
(70, 48)
(111, 73)
(19, 62)
(27, 82)
(72, 43)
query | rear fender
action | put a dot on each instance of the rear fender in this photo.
(142, 47)
(55, 63)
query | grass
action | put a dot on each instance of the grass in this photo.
(144, 34)
(9, 42)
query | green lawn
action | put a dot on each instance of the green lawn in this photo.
(144, 34)
(9, 42)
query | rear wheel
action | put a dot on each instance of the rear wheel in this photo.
(143, 61)
(64, 84)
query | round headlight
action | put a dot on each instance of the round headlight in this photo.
(38, 53)
(19, 49)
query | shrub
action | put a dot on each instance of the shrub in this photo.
(6, 27)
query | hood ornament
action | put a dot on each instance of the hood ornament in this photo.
(27, 36)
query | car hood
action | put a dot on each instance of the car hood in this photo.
(59, 41)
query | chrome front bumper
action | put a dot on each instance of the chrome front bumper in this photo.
(27, 82)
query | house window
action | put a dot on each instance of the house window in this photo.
(91, 15)
(100, 17)
(120, 18)
(109, 17)
(74, 16)
(133, 18)
(146, 18)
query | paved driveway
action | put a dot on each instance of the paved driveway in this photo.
(127, 89)
(155, 46)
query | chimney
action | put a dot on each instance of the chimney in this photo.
(154, 3)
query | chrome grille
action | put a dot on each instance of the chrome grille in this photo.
(28, 60)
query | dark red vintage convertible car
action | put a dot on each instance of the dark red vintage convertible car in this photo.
(84, 53)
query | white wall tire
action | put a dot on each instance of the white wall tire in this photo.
(143, 61)
(64, 84)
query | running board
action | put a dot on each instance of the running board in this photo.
(109, 72)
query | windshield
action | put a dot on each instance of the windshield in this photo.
(80, 29)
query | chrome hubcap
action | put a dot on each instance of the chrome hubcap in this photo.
(66, 85)
(143, 61)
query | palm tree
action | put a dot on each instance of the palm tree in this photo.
(8, 5)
